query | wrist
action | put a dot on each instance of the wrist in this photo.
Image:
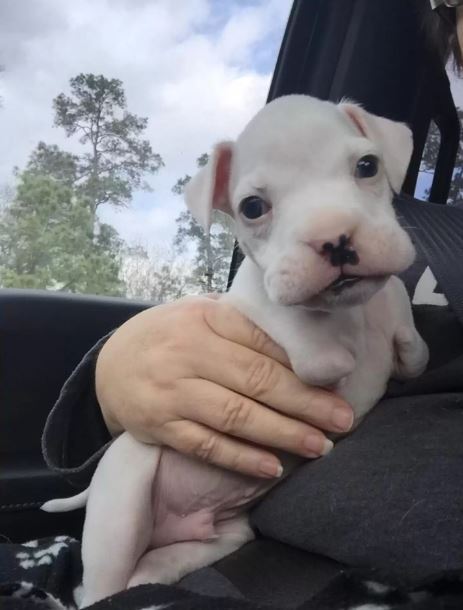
(111, 421)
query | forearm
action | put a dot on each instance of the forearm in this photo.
(75, 434)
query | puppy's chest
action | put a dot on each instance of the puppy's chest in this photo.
(373, 352)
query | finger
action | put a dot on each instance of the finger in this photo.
(265, 380)
(199, 441)
(229, 323)
(239, 416)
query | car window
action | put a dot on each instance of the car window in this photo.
(431, 150)
(106, 110)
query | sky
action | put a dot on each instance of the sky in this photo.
(198, 69)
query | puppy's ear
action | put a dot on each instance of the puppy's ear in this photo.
(209, 189)
(394, 139)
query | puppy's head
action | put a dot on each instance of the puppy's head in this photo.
(309, 184)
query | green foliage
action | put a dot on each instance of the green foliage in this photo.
(118, 156)
(50, 234)
(179, 186)
(50, 160)
(47, 240)
(202, 160)
(212, 250)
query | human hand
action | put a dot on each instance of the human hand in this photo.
(200, 377)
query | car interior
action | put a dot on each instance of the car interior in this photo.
(370, 51)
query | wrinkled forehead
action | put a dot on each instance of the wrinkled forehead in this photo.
(296, 134)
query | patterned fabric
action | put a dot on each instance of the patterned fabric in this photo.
(46, 575)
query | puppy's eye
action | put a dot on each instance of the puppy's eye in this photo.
(253, 207)
(367, 167)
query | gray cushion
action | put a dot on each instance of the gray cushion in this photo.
(388, 497)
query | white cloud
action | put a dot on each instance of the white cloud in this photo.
(198, 69)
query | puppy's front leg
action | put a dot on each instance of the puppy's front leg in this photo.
(317, 356)
(324, 365)
(411, 353)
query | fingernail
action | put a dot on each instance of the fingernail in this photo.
(342, 419)
(271, 468)
(328, 446)
(316, 446)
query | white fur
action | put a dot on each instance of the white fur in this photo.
(300, 155)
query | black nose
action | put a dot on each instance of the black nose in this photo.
(342, 254)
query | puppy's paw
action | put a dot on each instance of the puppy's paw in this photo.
(411, 354)
(327, 368)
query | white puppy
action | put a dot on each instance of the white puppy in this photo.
(309, 184)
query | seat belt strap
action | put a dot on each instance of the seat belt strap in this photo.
(438, 231)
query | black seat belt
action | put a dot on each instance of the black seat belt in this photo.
(438, 231)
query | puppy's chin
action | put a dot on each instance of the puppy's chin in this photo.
(358, 294)
(331, 298)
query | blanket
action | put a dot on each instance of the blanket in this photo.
(46, 574)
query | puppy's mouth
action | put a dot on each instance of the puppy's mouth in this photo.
(350, 289)
(344, 282)
(345, 291)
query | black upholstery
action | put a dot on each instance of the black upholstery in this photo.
(375, 53)
(43, 335)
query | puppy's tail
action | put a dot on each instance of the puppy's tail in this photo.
(64, 505)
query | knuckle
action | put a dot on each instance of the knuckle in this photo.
(235, 414)
(187, 310)
(198, 312)
(261, 376)
(162, 380)
(260, 340)
(170, 433)
(195, 305)
(206, 448)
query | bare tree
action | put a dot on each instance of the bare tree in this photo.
(157, 275)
